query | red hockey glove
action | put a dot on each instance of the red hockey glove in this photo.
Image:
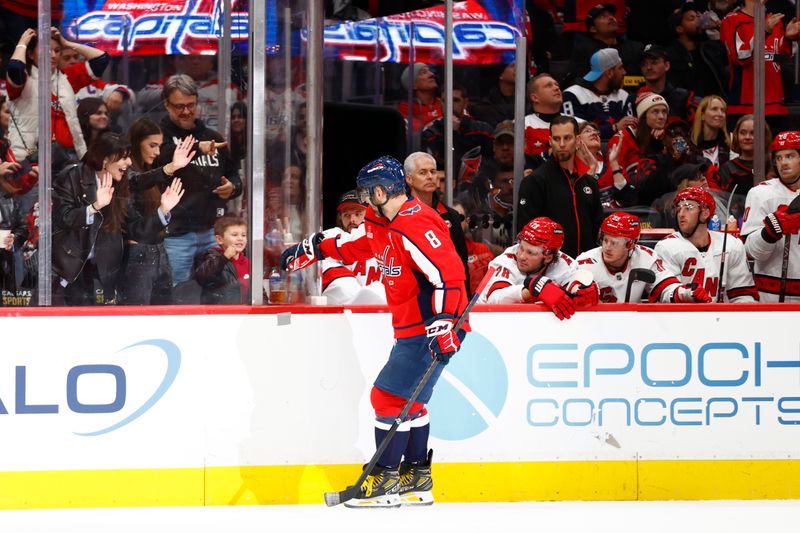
(302, 254)
(550, 294)
(688, 294)
(586, 296)
(781, 222)
(444, 341)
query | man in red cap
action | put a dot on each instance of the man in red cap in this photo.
(359, 282)
(769, 221)
(620, 265)
(695, 253)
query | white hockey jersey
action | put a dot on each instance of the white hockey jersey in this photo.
(356, 283)
(614, 285)
(505, 286)
(693, 266)
(768, 257)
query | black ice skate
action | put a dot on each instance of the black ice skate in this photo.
(380, 489)
(416, 483)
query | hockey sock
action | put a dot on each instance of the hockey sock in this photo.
(391, 456)
(417, 449)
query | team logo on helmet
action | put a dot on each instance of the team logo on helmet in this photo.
(541, 231)
(621, 224)
(373, 168)
(786, 140)
(699, 195)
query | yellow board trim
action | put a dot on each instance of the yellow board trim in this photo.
(453, 482)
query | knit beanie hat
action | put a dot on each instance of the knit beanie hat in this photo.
(647, 100)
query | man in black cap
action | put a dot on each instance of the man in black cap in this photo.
(697, 64)
(602, 31)
(655, 65)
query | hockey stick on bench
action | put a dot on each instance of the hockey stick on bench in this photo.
(794, 207)
(721, 292)
(644, 275)
(335, 498)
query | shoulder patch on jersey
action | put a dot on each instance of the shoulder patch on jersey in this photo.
(671, 236)
(645, 249)
(587, 190)
(410, 211)
(587, 261)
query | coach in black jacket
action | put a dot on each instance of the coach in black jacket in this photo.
(556, 190)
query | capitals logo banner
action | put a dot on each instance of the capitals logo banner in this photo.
(484, 31)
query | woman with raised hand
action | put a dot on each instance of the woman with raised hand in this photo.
(93, 217)
(147, 276)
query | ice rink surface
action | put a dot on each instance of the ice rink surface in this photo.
(544, 517)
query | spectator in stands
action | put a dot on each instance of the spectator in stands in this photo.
(615, 191)
(238, 131)
(599, 96)
(645, 139)
(211, 179)
(147, 277)
(697, 64)
(5, 117)
(224, 271)
(120, 101)
(737, 35)
(420, 171)
(694, 252)
(468, 133)
(739, 170)
(93, 118)
(293, 184)
(200, 68)
(618, 256)
(546, 99)
(498, 104)
(560, 192)
(18, 15)
(427, 106)
(501, 204)
(91, 219)
(478, 254)
(710, 130)
(654, 176)
(13, 233)
(602, 32)
(655, 66)
(23, 91)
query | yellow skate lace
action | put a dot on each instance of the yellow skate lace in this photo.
(369, 485)
(406, 478)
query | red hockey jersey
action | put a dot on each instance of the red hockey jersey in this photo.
(422, 273)
(737, 34)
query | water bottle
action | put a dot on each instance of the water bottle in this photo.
(274, 239)
(714, 224)
(277, 287)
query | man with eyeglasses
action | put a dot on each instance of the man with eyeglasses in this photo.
(210, 180)
(695, 253)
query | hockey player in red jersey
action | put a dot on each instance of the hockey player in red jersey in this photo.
(536, 270)
(619, 256)
(425, 290)
(695, 253)
(768, 222)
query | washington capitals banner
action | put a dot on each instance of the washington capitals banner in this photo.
(484, 31)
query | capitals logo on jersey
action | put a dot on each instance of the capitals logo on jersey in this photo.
(389, 269)
(410, 211)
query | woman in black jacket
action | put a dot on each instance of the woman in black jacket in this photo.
(91, 218)
(147, 275)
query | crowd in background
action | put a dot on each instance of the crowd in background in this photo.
(146, 185)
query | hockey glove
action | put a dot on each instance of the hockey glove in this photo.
(444, 342)
(303, 253)
(550, 294)
(781, 222)
(586, 296)
(688, 294)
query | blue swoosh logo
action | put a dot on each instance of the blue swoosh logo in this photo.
(173, 365)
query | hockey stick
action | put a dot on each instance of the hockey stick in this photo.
(794, 207)
(644, 275)
(335, 498)
(724, 247)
